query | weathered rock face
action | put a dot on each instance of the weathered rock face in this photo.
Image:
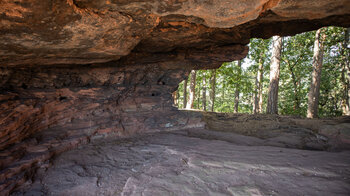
(60, 108)
(46, 110)
(90, 31)
(77, 69)
(35, 98)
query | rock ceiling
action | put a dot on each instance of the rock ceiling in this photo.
(36, 32)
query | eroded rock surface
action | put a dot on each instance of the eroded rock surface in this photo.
(283, 131)
(48, 111)
(176, 164)
(89, 31)
(73, 70)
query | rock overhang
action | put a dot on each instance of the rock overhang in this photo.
(74, 70)
(84, 31)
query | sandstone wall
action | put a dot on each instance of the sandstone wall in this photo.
(73, 70)
(52, 32)
(45, 111)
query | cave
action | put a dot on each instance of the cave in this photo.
(76, 74)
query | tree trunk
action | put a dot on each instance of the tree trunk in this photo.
(192, 91)
(198, 92)
(185, 94)
(238, 87)
(314, 93)
(212, 90)
(256, 98)
(257, 108)
(223, 93)
(345, 52)
(348, 66)
(204, 93)
(252, 101)
(272, 107)
(260, 82)
(175, 98)
(198, 99)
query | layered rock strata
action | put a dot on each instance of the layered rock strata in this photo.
(46, 111)
(51, 32)
(76, 69)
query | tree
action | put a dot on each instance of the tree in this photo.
(314, 93)
(294, 77)
(274, 76)
(332, 87)
(296, 60)
(227, 82)
(347, 65)
(296, 106)
(257, 104)
(237, 92)
(258, 54)
(212, 89)
(345, 77)
(175, 95)
(198, 91)
(260, 83)
(192, 90)
(185, 94)
(256, 96)
(204, 92)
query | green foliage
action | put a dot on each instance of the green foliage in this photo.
(331, 90)
(295, 75)
(229, 77)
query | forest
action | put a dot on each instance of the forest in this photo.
(304, 75)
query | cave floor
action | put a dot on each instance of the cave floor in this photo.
(179, 163)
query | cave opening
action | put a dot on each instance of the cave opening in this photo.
(243, 86)
(87, 97)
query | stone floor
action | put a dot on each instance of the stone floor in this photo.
(180, 163)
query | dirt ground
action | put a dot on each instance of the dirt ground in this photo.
(191, 162)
